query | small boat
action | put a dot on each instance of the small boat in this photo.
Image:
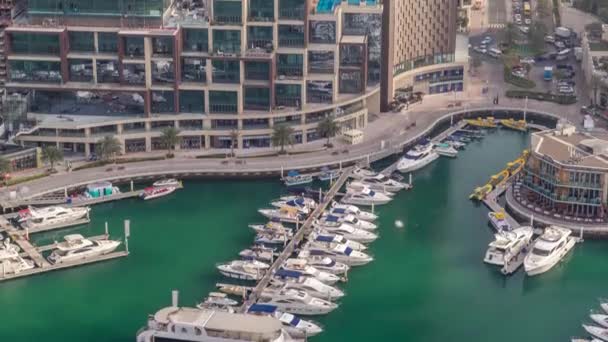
(235, 290)
(366, 197)
(324, 263)
(596, 331)
(417, 158)
(296, 302)
(327, 175)
(481, 192)
(304, 205)
(508, 245)
(342, 254)
(75, 253)
(361, 173)
(335, 221)
(551, 247)
(499, 221)
(358, 186)
(338, 209)
(446, 150)
(600, 319)
(578, 339)
(480, 122)
(272, 239)
(384, 183)
(303, 266)
(518, 125)
(16, 265)
(8, 250)
(284, 214)
(167, 182)
(294, 178)
(293, 325)
(329, 240)
(285, 279)
(456, 144)
(218, 301)
(33, 218)
(244, 269)
(274, 226)
(156, 192)
(355, 234)
(259, 253)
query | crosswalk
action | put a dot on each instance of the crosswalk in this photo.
(497, 26)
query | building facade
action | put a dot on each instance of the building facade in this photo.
(419, 55)
(566, 175)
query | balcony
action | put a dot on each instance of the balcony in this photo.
(261, 10)
(162, 47)
(291, 9)
(223, 102)
(289, 71)
(163, 72)
(227, 12)
(256, 123)
(291, 36)
(81, 70)
(226, 71)
(35, 71)
(194, 70)
(134, 74)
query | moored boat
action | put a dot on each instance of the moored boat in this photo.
(360, 173)
(365, 197)
(446, 150)
(499, 221)
(417, 158)
(355, 234)
(303, 266)
(488, 122)
(324, 263)
(83, 251)
(36, 218)
(244, 269)
(481, 192)
(167, 182)
(518, 125)
(294, 178)
(595, 331)
(342, 254)
(508, 245)
(295, 326)
(551, 247)
(286, 279)
(335, 221)
(329, 240)
(296, 302)
(384, 183)
(284, 214)
(338, 209)
(327, 175)
(156, 192)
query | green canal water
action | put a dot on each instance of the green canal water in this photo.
(427, 283)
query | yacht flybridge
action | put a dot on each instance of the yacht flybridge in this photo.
(507, 245)
(37, 218)
(75, 248)
(551, 247)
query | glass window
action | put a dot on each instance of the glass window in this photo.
(226, 41)
(256, 98)
(191, 101)
(321, 62)
(134, 73)
(107, 71)
(351, 82)
(260, 37)
(162, 46)
(291, 9)
(81, 70)
(226, 71)
(163, 102)
(223, 101)
(193, 70)
(163, 72)
(81, 41)
(289, 95)
(352, 55)
(319, 91)
(224, 124)
(36, 71)
(196, 40)
(134, 47)
(291, 36)
(261, 10)
(35, 43)
(290, 65)
(257, 71)
(111, 103)
(256, 123)
(227, 11)
(107, 42)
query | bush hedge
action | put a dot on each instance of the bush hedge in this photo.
(517, 81)
(559, 99)
(19, 180)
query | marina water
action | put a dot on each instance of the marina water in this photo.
(427, 282)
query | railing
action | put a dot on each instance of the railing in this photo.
(223, 108)
(291, 13)
(290, 71)
(228, 19)
(288, 101)
(257, 75)
(260, 43)
(291, 42)
(226, 77)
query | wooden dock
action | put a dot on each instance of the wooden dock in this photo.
(304, 230)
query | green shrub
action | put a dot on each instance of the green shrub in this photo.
(90, 165)
(517, 81)
(559, 99)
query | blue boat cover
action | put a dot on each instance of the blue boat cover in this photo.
(317, 252)
(294, 322)
(339, 210)
(325, 238)
(293, 173)
(287, 274)
(264, 308)
(348, 250)
(332, 218)
(275, 219)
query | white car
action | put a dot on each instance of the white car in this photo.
(486, 40)
(517, 16)
(549, 39)
(528, 60)
(518, 21)
(527, 21)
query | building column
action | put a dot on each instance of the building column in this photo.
(87, 149)
(387, 55)
(64, 43)
(207, 141)
(148, 144)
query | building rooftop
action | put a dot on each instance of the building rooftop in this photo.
(566, 146)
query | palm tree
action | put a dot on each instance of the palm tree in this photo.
(169, 138)
(52, 155)
(281, 136)
(328, 128)
(234, 138)
(108, 147)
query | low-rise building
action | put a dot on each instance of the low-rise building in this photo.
(594, 62)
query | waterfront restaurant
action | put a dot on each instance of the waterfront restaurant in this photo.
(565, 175)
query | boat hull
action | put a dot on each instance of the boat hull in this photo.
(410, 167)
(147, 197)
(532, 271)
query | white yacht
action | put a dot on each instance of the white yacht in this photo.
(360, 173)
(330, 240)
(417, 158)
(284, 214)
(293, 325)
(272, 227)
(595, 331)
(73, 241)
(328, 220)
(342, 254)
(284, 279)
(304, 267)
(358, 186)
(8, 250)
(167, 182)
(338, 209)
(244, 269)
(203, 325)
(260, 253)
(384, 183)
(303, 205)
(156, 192)
(10, 261)
(296, 302)
(272, 239)
(446, 150)
(34, 218)
(83, 250)
(499, 221)
(366, 197)
(600, 319)
(548, 250)
(218, 301)
(358, 235)
(323, 262)
(507, 245)
(604, 305)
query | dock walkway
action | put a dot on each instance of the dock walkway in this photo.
(302, 232)
(491, 201)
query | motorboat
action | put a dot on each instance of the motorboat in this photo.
(342, 254)
(15, 265)
(417, 158)
(8, 250)
(172, 182)
(218, 301)
(294, 178)
(600, 319)
(205, 325)
(456, 144)
(366, 197)
(304, 205)
(293, 325)
(296, 302)
(338, 209)
(35, 218)
(359, 185)
(548, 250)
(324, 263)
(274, 226)
(272, 239)
(74, 253)
(578, 339)
(351, 220)
(302, 266)
(235, 290)
(244, 269)
(330, 240)
(284, 214)
(446, 150)
(156, 192)
(508, 245)
(355, 234)
(73, 241)
(604, 305)
(328, 175)
(360, 173)
(384, 183)
(285, 279)
(498, 219)
(595, 331)
(260, 253)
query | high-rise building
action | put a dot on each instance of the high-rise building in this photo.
(419, 52)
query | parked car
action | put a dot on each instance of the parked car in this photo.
(550, 39)
(527, 60)
(559, 45)
(527, 21)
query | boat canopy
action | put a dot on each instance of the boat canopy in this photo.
(317, 252)
(332, 218)
(287, 274)
(293, 173)
(325, 238)
(339, 210)
(262, 308)
(297, 202)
